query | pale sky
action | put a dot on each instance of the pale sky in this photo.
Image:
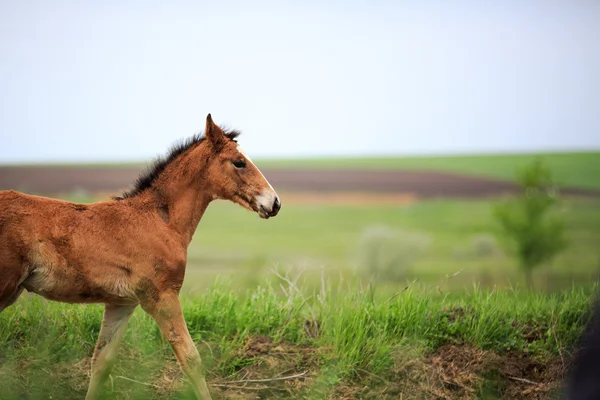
(109, 81)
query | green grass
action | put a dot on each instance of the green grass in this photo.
(570, 169)
(45, 344)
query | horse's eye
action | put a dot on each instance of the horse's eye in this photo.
(240, 164)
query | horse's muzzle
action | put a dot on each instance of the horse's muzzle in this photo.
(265, 213)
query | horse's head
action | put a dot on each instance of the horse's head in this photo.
(234, 177)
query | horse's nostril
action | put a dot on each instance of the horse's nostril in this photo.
(276, 205)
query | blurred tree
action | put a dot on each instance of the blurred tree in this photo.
(529, 221)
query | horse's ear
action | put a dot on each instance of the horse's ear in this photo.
(212, 131)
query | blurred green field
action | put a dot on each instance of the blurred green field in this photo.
(231, 241)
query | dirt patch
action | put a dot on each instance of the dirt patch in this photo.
(349, 198)
(464, 372)
(284, 371)
(451, 372)
(256, 346)
(269, 370)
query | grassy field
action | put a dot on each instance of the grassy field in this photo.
(571, 169)
(343, 341)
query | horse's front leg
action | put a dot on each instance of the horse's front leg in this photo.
(114, 324)
(169, 317)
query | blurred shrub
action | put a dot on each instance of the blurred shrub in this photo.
(388, 253)
(483, 245)
(535, 231)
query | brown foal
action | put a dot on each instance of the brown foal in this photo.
(132, 249)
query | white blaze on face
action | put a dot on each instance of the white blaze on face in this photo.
(267, 197)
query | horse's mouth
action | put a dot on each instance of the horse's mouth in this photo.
(252, 205)
(263, 213)
(266, 214)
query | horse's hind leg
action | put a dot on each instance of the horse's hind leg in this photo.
(13, 274)
(113, 327)
(9, 300)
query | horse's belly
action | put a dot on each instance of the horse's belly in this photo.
(75, 287)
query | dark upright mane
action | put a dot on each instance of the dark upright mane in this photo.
(147, 178)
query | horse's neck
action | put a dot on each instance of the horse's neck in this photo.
(185, 210)
(181, 197)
